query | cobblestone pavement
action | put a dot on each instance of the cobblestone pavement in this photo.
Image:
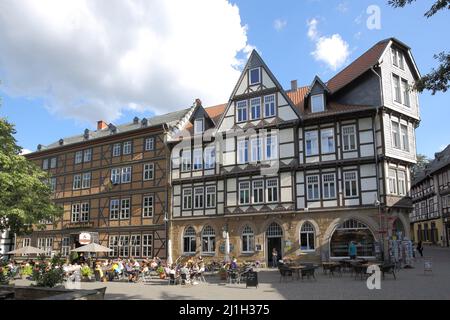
(410, 284)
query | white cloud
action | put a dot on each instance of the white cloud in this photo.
(90, 59)
(343, 7)
(279, 24)
(332, 50)
(25, 151)
(442, 147)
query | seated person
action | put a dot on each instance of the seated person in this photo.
(234, 264)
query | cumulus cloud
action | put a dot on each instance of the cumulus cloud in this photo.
(279, 24)
(92, 59)
(332, 50)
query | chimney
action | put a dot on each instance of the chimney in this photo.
(293, 85)
(135, 120)
(101, 125)
(61, 142)
(198, 102)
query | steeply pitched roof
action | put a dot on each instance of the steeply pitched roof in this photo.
(367, 60)
(441, 160)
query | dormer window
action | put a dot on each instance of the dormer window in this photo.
(255, 76)
(318, 103)
(397, 58)
(199, 126)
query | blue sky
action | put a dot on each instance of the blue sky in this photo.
(277, 29)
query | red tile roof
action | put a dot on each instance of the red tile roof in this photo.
(367, 60)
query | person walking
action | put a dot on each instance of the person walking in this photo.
(420, 248)
(274, 257)
(352, 250)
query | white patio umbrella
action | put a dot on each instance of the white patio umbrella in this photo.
(92, 247)
(27, 250)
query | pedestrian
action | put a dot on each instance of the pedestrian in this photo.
(274, 257)
(352, 250)
(420, 248)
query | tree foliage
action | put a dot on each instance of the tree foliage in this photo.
(25, 194)
(438, 79)
(420, 165)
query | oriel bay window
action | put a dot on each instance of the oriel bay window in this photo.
(269, 106)
(198, 198)
(208, 240)
(272, 190)
(405, 140)
(329, 186)
(210, 197)
(248, 240)
(397, 93)
(255, 108)
(392, 176)
(311, 141)
(244, 192)
(242, 145)
(189, 241)
(395, 134)
(258, 191)
(307, 237)
(256, 148)
(271, 147)
(401, 183)
(327, 138)
(349, 138)
(313, 187)
(350, 184)
(198, 159)
(210, 157)
(241, 108)
(187, 199)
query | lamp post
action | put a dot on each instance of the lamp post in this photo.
(381, 230)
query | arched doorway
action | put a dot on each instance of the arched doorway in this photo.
(274, 235)
(398, 230)
(352, 230)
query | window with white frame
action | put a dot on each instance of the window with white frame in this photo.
(84, 217)
(189, 240)
(208, 240)
(317, 103)
(258, 191)
(46, 244)
(135, 245)
(114, 246)
(271, 147)
(53, 184)
(398, 58)
(394, 57)
(147, 206)
(86, 181)
(45, 164)
(187, 199)
(312, 144)
(327, 138)
(124, 245)
(313, 187)
(78, 157)
(404, 136)
(392, 176)
(254, 76)
(115, 176)
(198, 159)
(401, 183)
(114, 209)
(149, 144)
(127, 147)
(117, 147)
(405, 92)
(241, 108)
(186, 160)
(147, 245)
(76, 209)
(198, 198)
(269, 106)
(397, 90)
(26, 242)
(350, 184)
(307, 237)
(349, 138)
(149, 170)
(255, 108)
(248, 240)
(77, 181)
(65, 246)
(199, 126)
(329, 185)
(210, 197)
(242, 146)
(244, 192)
(87, 155)
(126, 175)
(125, 208)
(395, 134)
(210, 158)
(272, 190)
(256, 149)
(53, 162)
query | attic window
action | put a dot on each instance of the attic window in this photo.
(198, 126)
(255, 76)
(317, 103)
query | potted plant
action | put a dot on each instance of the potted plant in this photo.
(86, 272)
(26, 271)
(223, 273)
(160, 271)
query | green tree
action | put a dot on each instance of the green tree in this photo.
(437, 79)
(25, 194)
(422, 161)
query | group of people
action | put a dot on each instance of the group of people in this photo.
(190, 271)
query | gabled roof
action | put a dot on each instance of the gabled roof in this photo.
(359, 66)
(213, 112)
(441, 160)
(321, 83)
